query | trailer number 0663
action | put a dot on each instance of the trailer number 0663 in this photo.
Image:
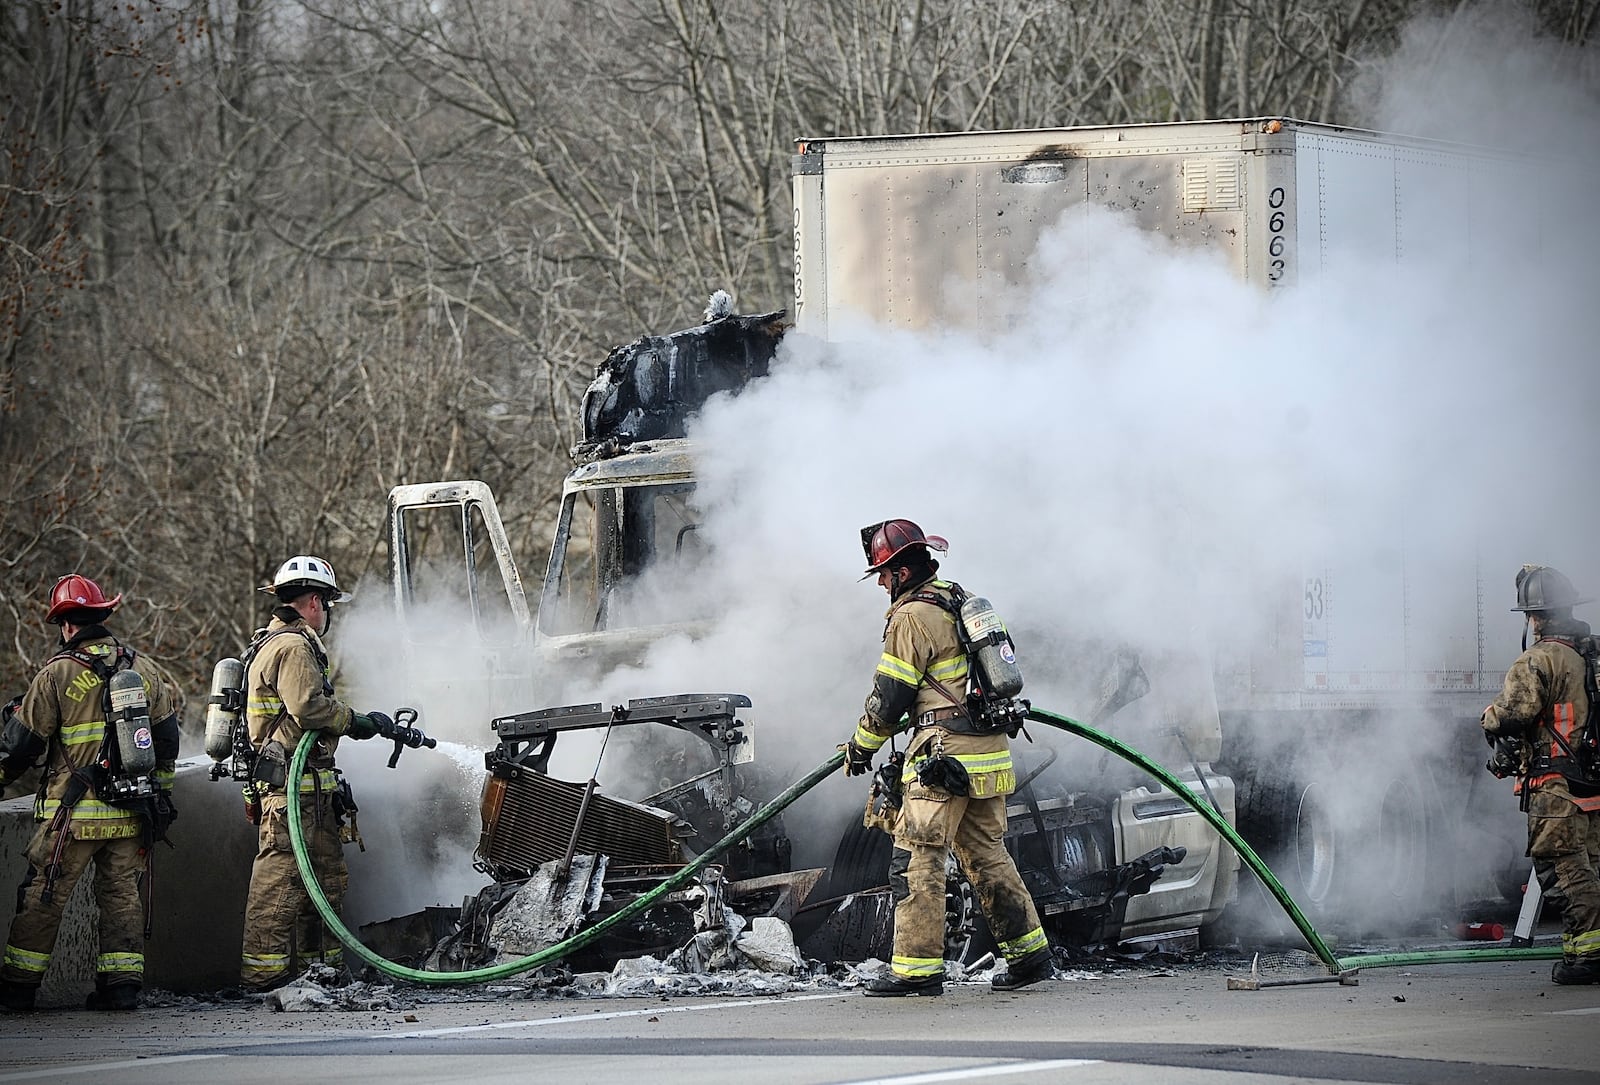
(1277, 243)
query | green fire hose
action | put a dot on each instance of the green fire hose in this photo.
(1217, 821)
(1335, 965)
(560, 949)
(1205, 810)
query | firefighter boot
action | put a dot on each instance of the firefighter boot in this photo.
(1580, 971)
(1029, 968)
(17, 997)
(890, 985)
(115, 996)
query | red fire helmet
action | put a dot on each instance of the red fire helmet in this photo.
(882, 541)
(74, 592)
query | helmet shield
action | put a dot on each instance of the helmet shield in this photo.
(882, 542)
(1539, 588)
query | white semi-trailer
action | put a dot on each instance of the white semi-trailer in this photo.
(939, 230)
(928, 231)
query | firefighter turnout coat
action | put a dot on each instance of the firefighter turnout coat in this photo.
(289, 693)
(922, 652)
(1545, 701)
(63, 717)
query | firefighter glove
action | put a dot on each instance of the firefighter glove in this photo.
(857, 761)
(365, 725)
(162, 814)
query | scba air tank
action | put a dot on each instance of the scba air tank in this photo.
(222, 711)
(130, 717)
(996, 658)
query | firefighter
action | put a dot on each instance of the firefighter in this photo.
(288, 693)
(88, 807)
(956, 776)
(1545, 705)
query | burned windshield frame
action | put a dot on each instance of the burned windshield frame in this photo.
(610, 547)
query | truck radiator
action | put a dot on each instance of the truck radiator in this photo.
(528, 819)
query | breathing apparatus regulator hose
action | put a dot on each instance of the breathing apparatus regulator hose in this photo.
(560, 949)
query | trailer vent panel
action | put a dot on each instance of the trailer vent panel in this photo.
(1211, 184)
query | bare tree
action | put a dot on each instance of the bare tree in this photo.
(261, 260)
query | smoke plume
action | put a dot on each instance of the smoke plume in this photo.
(1153, 454)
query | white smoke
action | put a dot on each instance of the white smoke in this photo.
(1156, 454)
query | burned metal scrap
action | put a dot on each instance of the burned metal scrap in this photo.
(564, 856)
(644, 390)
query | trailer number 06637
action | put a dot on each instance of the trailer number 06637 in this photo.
(1277, 243)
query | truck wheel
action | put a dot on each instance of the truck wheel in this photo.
(1284, 819)
(1402, 871)
(860, 862)
(1361, 861)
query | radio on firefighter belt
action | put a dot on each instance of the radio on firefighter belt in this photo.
(887, 793)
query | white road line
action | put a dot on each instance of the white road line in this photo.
(997, 1070)
(581, 1019)
(1577, 1013)
(97, 1067)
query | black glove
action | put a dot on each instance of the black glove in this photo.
(162, 814)
(857, 761)
(370, 725)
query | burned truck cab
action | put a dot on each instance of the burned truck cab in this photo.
(626, 536)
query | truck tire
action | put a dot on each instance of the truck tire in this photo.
(1282, 817)
(861, 864)
(1359, 863)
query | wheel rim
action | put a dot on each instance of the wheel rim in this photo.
(960, 911)
(1315, 847)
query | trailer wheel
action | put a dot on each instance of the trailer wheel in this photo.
(1361, 861)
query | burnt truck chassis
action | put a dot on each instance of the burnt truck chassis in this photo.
(532, 819)
(1060, 843)
(708, 803)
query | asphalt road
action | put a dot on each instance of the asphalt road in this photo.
(1436, 1025)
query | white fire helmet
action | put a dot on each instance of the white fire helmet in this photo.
(306, 571)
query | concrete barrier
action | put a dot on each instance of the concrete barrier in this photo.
(199, 890)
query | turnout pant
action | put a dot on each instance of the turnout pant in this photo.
(118, 869)
(283, 934)
(1567, 837)
(931, 824)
